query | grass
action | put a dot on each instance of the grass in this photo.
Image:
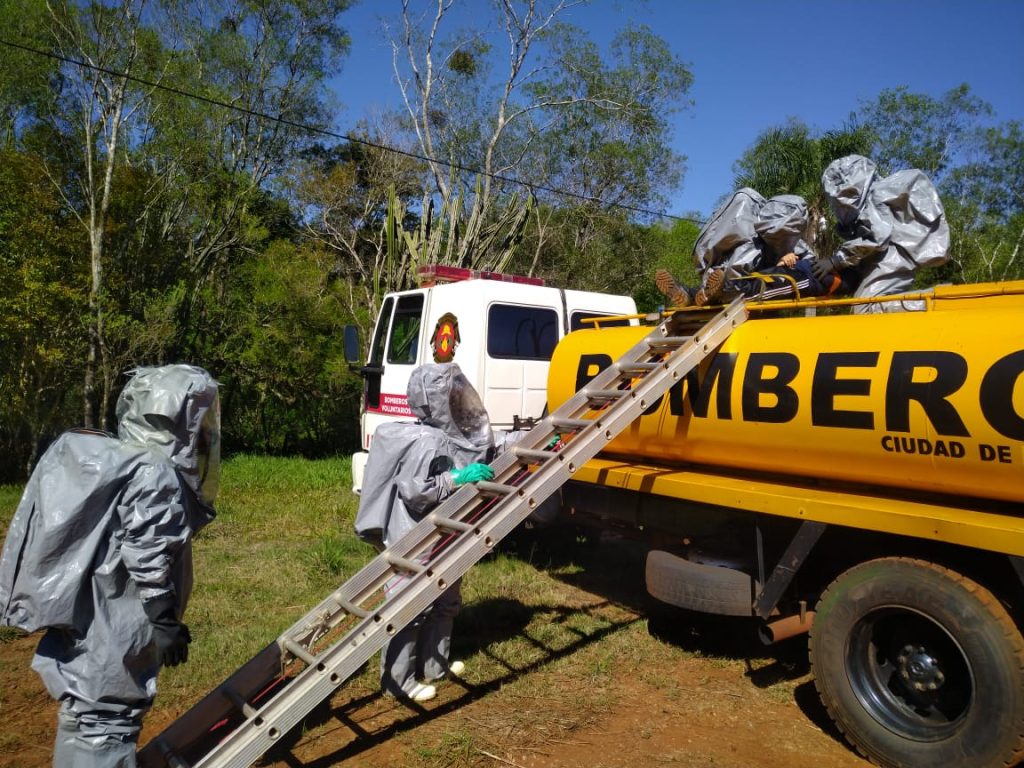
(551, 623)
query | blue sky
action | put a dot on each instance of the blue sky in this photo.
(756, 64)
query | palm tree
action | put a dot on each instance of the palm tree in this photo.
(789, 160)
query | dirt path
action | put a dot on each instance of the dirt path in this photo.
(598, 704)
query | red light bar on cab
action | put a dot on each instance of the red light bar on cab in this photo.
(432, 274)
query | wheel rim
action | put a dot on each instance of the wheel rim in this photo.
(909, 673)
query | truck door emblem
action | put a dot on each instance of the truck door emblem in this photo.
(445, 338)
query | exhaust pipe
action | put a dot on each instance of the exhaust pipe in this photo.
(783, 629)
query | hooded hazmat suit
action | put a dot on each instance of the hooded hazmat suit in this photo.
(750, 234)
(408, 473)
(891, 226)
(98, 552)
(727, 239)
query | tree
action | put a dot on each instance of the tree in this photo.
(915, 130)
(344, 195)
(42, 298)
(93, 114)
(558, 114)
(265, 59)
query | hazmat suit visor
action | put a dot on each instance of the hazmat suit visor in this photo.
(208, 454)
(846, 183)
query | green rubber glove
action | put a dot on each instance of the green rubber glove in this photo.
(472, 473)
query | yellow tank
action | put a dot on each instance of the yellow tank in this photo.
(931, 401)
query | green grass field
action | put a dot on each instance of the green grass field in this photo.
(551, 625)
(283, 539)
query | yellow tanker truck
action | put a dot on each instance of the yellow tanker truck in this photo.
(857, 476)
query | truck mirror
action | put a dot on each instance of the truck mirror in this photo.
(352, 355)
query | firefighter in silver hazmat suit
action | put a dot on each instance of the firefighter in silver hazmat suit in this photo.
(749, 234)
(413, 467)
(892, 226)
(99, 554)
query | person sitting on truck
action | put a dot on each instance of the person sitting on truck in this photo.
(99, 554)
(764, 239)
(413, 467)
(891, 226)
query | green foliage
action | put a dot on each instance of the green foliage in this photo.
(915, 130)
(41, 300)
(453, 238)
(275, 334)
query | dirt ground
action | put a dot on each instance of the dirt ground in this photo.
(709, 699)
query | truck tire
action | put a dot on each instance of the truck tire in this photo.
(919, 665)
(698, 587)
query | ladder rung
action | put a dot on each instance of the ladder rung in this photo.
(571, 423)
(533, 453)
(605, 394)
(299, 652)
(246, 708)
(495, 489)
(637, 367)
(449, 524)
(668, 342)
(351, 608)
(410, 566)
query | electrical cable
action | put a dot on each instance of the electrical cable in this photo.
(336, 135)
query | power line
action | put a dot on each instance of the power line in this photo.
(335, 135)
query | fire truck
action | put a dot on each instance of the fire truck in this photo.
(858, 477)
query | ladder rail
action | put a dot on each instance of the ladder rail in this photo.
(481, 520)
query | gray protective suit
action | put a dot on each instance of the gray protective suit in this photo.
(407, 475)
(727, 240)
(891, 226)
(101, 535)
(780, 226)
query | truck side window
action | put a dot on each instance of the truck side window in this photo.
(576, 321)
(384, 318)
(521, 333)
(405, 330)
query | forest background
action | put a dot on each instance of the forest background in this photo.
(170, 190)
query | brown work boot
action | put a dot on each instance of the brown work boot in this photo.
(714, 280)
(672, 290)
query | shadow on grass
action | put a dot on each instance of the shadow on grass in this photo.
(613, 567)
(492, 621)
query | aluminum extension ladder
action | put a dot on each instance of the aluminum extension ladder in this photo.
(235, 724)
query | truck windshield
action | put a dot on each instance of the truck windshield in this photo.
(405, 330)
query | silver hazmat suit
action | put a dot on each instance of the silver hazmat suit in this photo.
(780, 225)
(727, 239)
(103, 530)
(407, 475)
(891, 226)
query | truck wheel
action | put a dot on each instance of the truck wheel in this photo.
(919, 665)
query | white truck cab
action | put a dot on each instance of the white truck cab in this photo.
(500, 329)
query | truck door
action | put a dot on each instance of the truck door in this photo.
(520, 341)
(393, 355)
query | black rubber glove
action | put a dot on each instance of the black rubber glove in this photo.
(171, 636)
(822, 268)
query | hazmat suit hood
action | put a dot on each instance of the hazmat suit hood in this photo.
(847, 183)
(174, 411)
(781, 223)
(727, 239)
(440, 396)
